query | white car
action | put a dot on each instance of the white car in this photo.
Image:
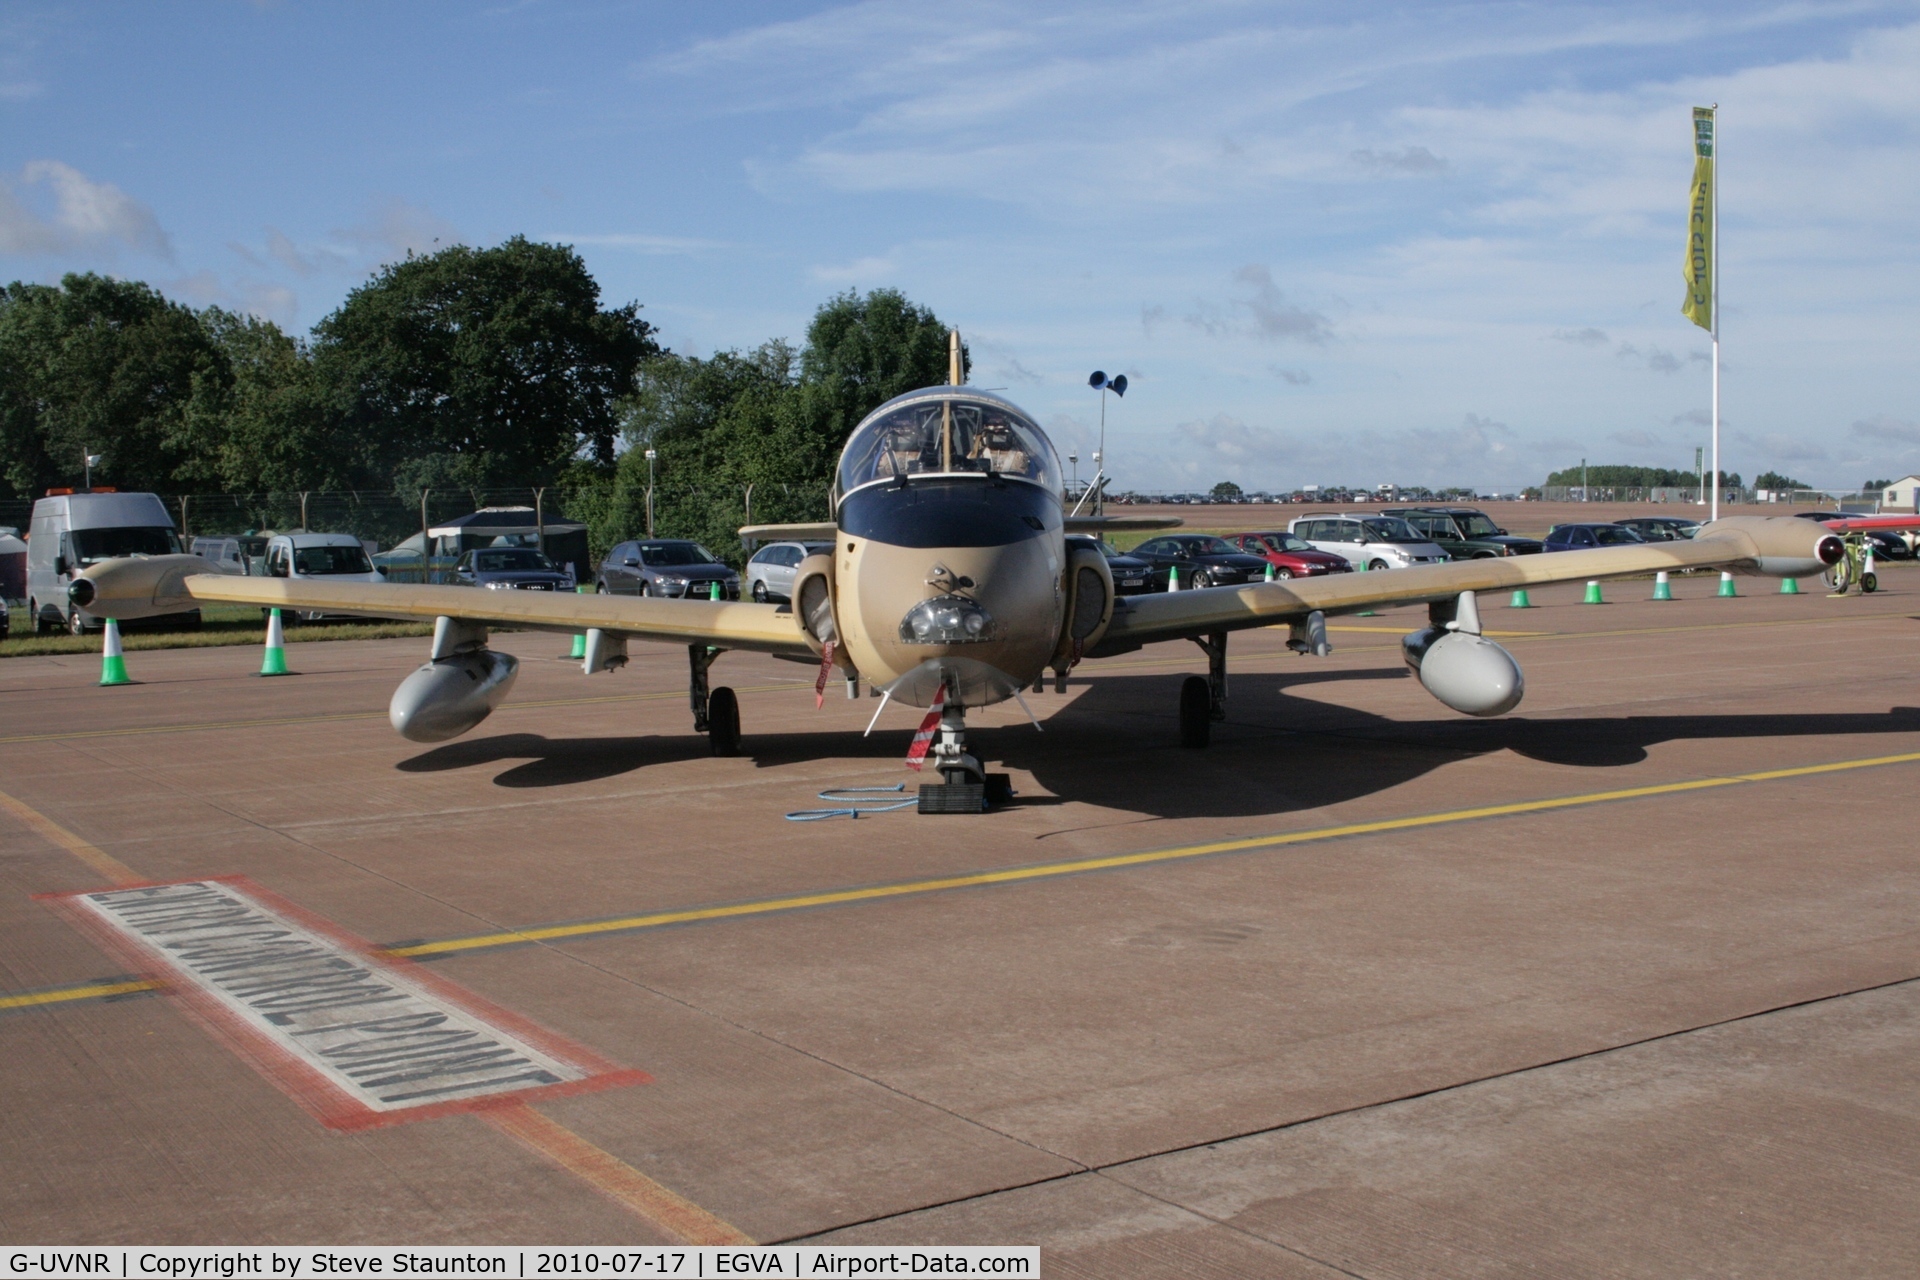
(769, 573)
(1368, 541)
(332, 557)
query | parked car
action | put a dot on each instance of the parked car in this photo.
(1661, 528)
(1368, 541)
(509, 569)
(1290, 557)
(1132, 576)
(1465, 533)
(73, 530)
(334, 557)
(1201, 559)
(229, 555)
(1584, 537)
(665, 567)
(770, 570)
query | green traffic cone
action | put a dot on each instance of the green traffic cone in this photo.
(580, 638)
(275, 661)
(713, 590)
(1726, 586)
(1789, 587)
(1662, 586)
(1269, 571)
(1173, 578)
(1521, 600)
(113, 667)
(1593, 592)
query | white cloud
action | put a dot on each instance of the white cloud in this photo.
(1407, 160)
(871, 270)
(1582, 337)
(1891, 429)
(75, 214)
(642, 243)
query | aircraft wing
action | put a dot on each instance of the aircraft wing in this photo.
(764, 628)
(1765, 544)
(824, 531)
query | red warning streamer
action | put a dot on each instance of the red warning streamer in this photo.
(923, 736)
(820, 682)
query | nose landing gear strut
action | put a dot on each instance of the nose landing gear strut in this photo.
(966, 787)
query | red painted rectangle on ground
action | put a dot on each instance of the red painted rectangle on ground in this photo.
(358, 1037)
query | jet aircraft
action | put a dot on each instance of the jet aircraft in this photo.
(951, 585)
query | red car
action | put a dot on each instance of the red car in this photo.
(1290, 556)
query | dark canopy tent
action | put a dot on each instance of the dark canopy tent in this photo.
(564, 541)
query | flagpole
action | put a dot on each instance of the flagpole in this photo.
(1713, 180)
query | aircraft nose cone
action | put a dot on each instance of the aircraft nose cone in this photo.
(80, 592)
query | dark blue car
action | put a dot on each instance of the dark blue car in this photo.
(1585, 537)
(509, 569)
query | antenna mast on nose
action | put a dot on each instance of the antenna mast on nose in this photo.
(954, 378)
(955, 375)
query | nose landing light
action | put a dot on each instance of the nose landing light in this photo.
(1830, 550)
(946, 620)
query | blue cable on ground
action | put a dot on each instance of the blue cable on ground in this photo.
(854, 798)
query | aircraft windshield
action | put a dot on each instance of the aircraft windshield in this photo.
(932, 437)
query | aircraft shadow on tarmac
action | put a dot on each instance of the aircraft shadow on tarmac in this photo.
(1115, 746)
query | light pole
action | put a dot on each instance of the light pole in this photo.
(1074, 458)
(1101, 383)
(91, 461)
(651, 455)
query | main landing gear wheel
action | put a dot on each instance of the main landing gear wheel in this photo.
(723, 722)
(1196, 712)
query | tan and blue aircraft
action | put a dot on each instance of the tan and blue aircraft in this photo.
(951, 583)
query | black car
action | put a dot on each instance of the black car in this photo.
(665, 567)
(1132, 576)
(1584, 537)
(1201, 559)
(1661, 528)
(1465, 533)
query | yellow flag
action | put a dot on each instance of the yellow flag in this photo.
(1699, 269)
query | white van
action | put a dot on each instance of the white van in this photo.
(229, 555)
(328, 557)
(73, 530)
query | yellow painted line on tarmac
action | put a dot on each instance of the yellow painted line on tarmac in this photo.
(1051, 870)
(61, 995)
(47, 829)
(613, 1177)
(1400, 631)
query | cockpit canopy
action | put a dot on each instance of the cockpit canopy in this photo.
(948, 431)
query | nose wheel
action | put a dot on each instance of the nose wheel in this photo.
(716, 712)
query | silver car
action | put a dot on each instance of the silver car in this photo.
(770, 571)
(1368, 541)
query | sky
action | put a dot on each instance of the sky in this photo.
(1342, 243)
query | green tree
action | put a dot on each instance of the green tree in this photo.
(1774, 480)
(863, 351)
(500, 363)
(1870, 485)
(107, 366)
(763, 418)
(273, 426)
(1226, 491)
